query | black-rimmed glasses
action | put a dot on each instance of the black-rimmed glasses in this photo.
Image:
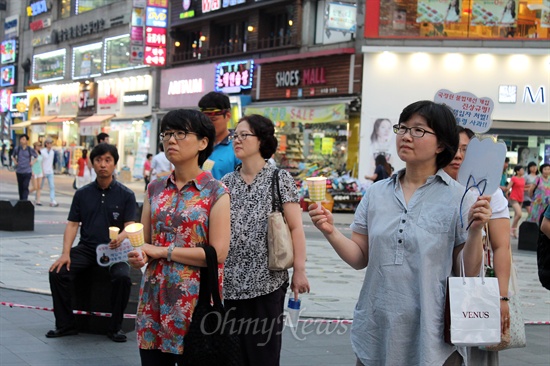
(414, 131)
(240, 136)
(178, 135)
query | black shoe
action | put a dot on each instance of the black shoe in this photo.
(117, 336)
(56, 333)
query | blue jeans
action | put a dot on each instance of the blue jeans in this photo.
(51, 184)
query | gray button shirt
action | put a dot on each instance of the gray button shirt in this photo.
(399, 317)
(24, 157)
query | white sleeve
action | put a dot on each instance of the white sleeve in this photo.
(499, 205)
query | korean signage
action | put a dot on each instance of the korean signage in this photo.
(342, 17)
(108, 92)
(212, 5)
(136, 34)
(470, 111)
(156, 17)
(5, 95)
(155, 36)
(184, 86)
(37, 8)
(40, 24)
(234, 77)
(9, 51)
(81, 30)
(48, 66)
(159, 3)
(7, 74)
(11, 27)
(155, 56)
(19, 99)
(136, 98)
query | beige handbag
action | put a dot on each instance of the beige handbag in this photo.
(279, 241)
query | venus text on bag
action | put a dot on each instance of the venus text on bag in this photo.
(476, 314)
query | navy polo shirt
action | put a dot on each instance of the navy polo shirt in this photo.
(97, 209)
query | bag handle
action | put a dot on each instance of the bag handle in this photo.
(209, 278)
(481, 269)
(276, 204)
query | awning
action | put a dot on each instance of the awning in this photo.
(41, 119)
(61, 119)
(97, 118)
(130, 117)
(20, 125)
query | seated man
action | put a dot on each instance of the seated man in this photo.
(96, 206)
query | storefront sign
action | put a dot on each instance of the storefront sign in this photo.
(158, 3)
(5, 96)
(7, 74)
(155, 56)
(320, 114)
(87, 97)
(9, 51)
(210, 5)
(533, 96)
(134, 98)
(40, 24)
(156, 17)
(234, 77)
(155, 37)
(11, 27)
(52, 101)
(184, 86)
(80, 30)
(37, 8)
(48, 66)
(41, 40)
(311, 76)
(342, 17)
(470, 111)
(19, 99)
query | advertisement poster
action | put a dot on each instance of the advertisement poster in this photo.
(545, 14)
(8, 51)
(547, 154)
(490, 12)
(527, 155)
(382, 142)
(8, 76)
(436, 11)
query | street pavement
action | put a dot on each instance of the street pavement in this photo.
(26, 256)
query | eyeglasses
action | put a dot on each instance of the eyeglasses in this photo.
(212, 112)
(414, 131)
(178, 135)
(462, 150)
(240, 136)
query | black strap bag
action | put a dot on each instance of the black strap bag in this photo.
(210, 340)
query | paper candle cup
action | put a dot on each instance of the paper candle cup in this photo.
(317, 187)
(135, 234)
(113, 232)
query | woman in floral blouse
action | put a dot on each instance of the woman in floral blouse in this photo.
(177, 215)
(253, 294)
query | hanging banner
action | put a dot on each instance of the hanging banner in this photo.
(491, 12)
(317, 114)
(435, 11)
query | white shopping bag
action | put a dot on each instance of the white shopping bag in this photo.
(472, 314)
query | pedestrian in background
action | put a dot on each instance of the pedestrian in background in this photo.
(409, 233)
(83, 175)
(217, 107)
(504, 177)
(251, 290)
(499, 242)
(530, 178)
(540, 193)
(47, 166)
(23, 157)
(102, 138)
(37, 174)
(147, 170)
(516, 187)
(182, 212)
(160, 165)
(382, 171)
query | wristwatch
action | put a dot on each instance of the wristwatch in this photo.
(170, 250)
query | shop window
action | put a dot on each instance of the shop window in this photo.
(187, 45)
(494, 19)
(87, 60)
(228, 38)
(276, 27)
(116, 52)
(65, 8)
(83, 6)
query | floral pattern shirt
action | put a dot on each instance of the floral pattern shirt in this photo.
(246, 273)
(169, 289)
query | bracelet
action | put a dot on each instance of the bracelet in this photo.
(170, 250)
(504, 298)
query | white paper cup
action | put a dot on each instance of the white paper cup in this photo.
(317, 187)
(135, 234)
(113, 232)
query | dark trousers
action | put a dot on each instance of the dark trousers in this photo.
(259, 322)
(155, 357)
(83, 257)
(23, 180)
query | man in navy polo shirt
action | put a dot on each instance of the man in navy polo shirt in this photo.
(95, 207)
(217, 107)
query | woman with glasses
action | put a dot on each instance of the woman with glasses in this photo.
(252, 292)
(409, 233)
(178, 212)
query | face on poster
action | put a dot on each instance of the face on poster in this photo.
(381, 142)
(527, 155)
(438, 11)
(495, 12)
(545, 14)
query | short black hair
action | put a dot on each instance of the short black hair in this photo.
(440, 118)
(467, 131)
(25, 136)
(102, 149)
(264, 130)
(532, 163)
(102, 136)
(149, 155)
(506, 159)
(542, 166)
(215, 100)
(517, 168)
(190, 120)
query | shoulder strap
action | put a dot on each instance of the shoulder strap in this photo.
(209, 278)
(276, 204)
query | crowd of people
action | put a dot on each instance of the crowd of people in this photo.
(208, 186)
